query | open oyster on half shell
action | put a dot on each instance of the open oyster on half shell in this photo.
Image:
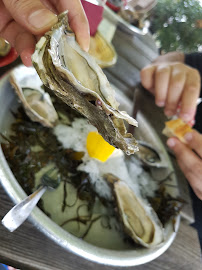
(138, 218)
(76, 78)
(36, 102)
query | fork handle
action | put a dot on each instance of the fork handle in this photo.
(20, 212)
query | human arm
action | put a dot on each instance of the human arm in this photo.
(180, 85)
(189, 157)
(22, 22)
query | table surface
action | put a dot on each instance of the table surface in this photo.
(28, 248)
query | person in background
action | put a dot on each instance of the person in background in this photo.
(175, 80)
(22, 23)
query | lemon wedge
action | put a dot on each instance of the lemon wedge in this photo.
(97, 147)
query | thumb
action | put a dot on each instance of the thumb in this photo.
(31, 14)
(183, 154)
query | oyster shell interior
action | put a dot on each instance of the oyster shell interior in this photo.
(150, 156)
(138, 218)
(76, 78)
(37, 103)
(103, 51)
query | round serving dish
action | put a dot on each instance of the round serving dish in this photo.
(69, 242)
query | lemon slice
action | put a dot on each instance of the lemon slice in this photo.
(97, 147)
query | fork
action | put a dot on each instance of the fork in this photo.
(20, 212)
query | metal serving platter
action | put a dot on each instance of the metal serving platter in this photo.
(122, 24)
(69, 242)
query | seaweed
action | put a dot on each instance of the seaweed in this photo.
(24, 162)
(165, 205)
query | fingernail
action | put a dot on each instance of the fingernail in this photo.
(86, 44)
(42, 18)
(188, 136)
(26, 56)
(160, 103)
(178, 110)
(191, 123)
(168, 113)
(86, 48)
(171, 143)
(186, 117)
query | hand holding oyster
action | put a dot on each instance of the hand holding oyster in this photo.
(74, 76)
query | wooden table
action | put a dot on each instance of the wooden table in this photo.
(28, 248)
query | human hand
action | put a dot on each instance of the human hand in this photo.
(174, 85)
(22, 22)
(170, 57)
(190, 161)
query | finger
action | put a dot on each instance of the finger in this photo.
(170, 57)
(194, 176)
(25, 48)
(32, 15)
(190, 95)
(194, 140)
(79, 25)
(49, 5)
(11, 31)
(21, 40)
(183, 152)
(175, 89)
(190, 164)
(77, 20)
(147, 77)
(162, 76)
(26, 56)
(5, 16)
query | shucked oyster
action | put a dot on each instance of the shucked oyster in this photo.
(37, 103)
(139, 220)
(75, 77)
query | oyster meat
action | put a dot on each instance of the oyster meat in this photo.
(103, 51)
(150, 156)
(138, 218)
(36, 102)
(76, 78)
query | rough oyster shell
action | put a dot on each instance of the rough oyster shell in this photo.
(139, 220)
(37, 103)
(75, 77)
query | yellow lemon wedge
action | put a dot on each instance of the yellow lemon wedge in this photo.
(97, 147)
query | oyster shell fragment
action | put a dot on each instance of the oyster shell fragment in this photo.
(37, 103)
(139, 220)
(76, 78)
